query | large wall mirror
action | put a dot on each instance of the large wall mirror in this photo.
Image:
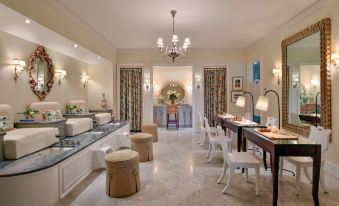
(41, 73)
(307, 79)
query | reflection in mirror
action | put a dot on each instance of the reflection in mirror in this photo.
(41, 74)
(303, 71)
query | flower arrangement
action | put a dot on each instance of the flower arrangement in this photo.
(29, 113)
(172, 97)
(71, 108)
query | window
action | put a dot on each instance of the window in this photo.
(256, 71)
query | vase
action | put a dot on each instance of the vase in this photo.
(103, 101)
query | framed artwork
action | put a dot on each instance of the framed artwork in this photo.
(235, 95)
(237, 83)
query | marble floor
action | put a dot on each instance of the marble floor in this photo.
(180, 175)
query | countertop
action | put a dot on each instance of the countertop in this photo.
(55, 154)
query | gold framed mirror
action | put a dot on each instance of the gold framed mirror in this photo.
(306, 79)
(40, 73)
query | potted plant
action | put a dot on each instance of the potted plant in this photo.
(29, 114)
(172, 97)
(71, 108)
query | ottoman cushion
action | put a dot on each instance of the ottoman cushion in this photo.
(142, 138)
(152, 129)
(143, 144)
(122, 173)
(78, 126)
(21, 142)
(103, 118)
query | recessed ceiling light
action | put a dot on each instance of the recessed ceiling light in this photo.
(75, 45)
(27, 21)
(99, 57)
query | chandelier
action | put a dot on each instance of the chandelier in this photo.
(173, 50)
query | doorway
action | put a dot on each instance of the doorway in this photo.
(172, 81)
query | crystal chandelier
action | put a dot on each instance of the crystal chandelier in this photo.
(173, 50)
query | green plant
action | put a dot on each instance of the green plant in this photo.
(29, 113)
(172, 97)
(71, 107)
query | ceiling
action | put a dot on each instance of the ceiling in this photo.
(209, 24)
(36, 33)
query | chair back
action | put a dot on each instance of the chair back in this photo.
(172, 108)
(6, 116)
(321, 136)
(42, 107)
(225, 151)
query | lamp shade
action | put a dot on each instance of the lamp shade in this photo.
(241, 101)
(262, 103)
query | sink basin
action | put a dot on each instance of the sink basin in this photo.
(54, 150)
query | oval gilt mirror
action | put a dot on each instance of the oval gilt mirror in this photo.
(41, 73)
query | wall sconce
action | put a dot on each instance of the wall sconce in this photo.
(147, 84)
(335, 59)
(85, 79)
(61, 75)
(314, 83)
(198, 83)
(277, 73)
(18, 65)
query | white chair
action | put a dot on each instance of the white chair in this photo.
(214, 141)
(202, 128)
(321, 136)
(294, 118)
(203, 131)
(236, 160)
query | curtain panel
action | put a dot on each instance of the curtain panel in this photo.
(131, 97)
(214, 93)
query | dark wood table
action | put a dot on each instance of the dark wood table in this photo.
(237, 128)
(278, 148)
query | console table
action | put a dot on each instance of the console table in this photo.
(277, 148)
(59, 123)
(185, 115)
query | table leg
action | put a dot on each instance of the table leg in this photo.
(316, 175)
(264, 159)
(244, 145)
(275, 176)
(239, 139)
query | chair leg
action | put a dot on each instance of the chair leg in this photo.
(229, 182)
(212, 151)
(208, 151)
(246, 174)
(201, 135)
(223, 172)
(257, 182)
(203, 139)
(307, 175)
(322, 178)
(297, 174)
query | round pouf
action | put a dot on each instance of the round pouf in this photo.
(151, 129)
(143, 144)
(122, 173)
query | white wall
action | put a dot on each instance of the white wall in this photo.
(101, 82)
(162, 75)
(19, 94)
(269, 50)
(198, 59)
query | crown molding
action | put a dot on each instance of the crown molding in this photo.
(63, 8)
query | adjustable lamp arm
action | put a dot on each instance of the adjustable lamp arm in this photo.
(278, 102)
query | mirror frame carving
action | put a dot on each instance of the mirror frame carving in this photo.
(40, 53)
(324, 27)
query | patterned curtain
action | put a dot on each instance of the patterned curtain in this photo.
(131, 97)
(214, 93)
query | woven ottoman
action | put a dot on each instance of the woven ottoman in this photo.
(122, 173)
(151, 129)
(143, 144)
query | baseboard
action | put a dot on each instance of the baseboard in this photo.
(331, 168)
